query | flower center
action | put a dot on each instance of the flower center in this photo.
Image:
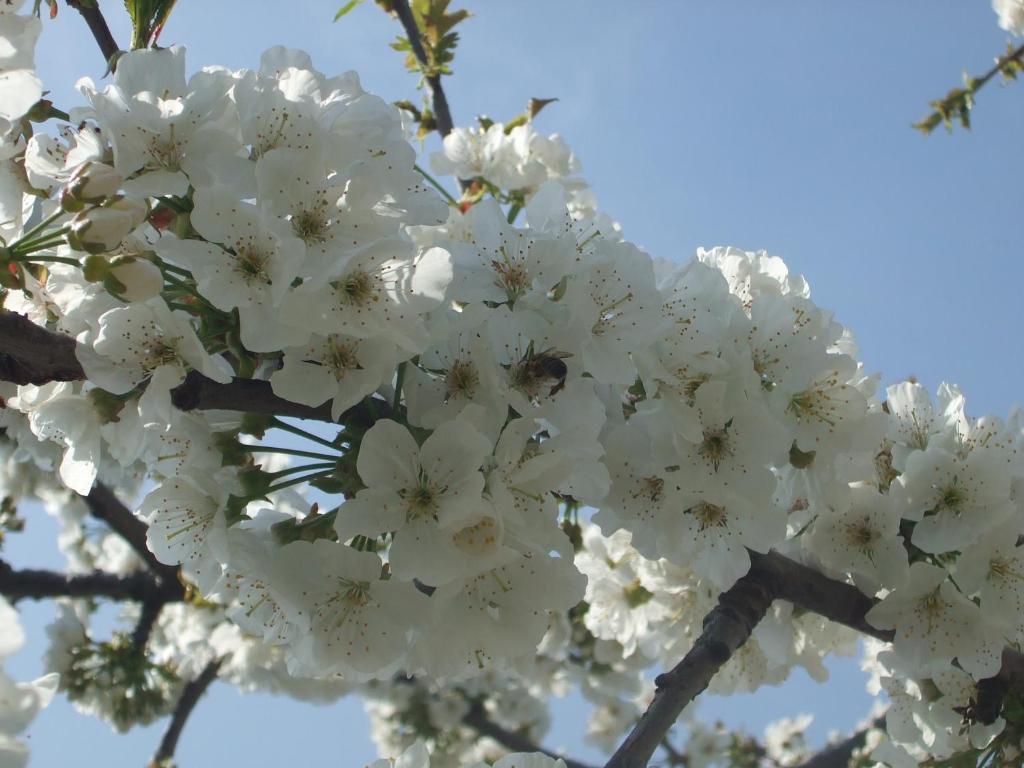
(310, 226)
(251, 263)
(462, 379)
(357, 288)
(861, 535)
(636, 595)
(341, 358)
(709, 515)
(716, 446)
(422, 500)
(609, 313)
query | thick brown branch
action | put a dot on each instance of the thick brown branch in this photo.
(256, 396)
(477, 719)
(838, 755)
(18, 584)
(105, 506)
(190, 696)
(726, 628)
(31, 354)
(98, 26)
(813, 591)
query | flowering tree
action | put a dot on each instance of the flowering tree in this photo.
(348, 432)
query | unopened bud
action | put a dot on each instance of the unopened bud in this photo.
(139, 279)
(91, 183)
(102, 229)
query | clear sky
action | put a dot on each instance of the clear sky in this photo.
(783, 126)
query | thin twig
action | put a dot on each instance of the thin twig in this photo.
(726, 629)
(190, 696)
(100, 31)
(1014, 56)
(147, 620)
(442, 112)
(838, 755)
(478, 720)
(105, 506)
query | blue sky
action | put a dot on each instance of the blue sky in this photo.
(783, 126)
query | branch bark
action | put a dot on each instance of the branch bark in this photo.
(105, 506)
(31, 354)
(838, 755)
(442, 112)
(478, 720)
(726, 629)
(100, 31)
(190, 696)
(34, 584)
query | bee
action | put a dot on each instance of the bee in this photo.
(541, 369)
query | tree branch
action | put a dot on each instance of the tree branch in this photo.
(105, 506)
(838, 755)
(478, 720)
(813, 591)
(31, 354)
(190, 696)
(18, 584)
(442, 112)
(98, 26)
(726, 628)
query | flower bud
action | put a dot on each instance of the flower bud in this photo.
(139, 279)
(91, 183)
(103, 228)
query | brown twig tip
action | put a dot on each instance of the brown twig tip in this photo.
(100, 31)
(838, 755)
(439, 101)
(105, 506)
(190, 695)
(478, 720)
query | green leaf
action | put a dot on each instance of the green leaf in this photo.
(536, 105)
(347, 8)
(148, 20)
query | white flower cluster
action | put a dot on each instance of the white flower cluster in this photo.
(491, 382)
(19, 702)
(1011, 15)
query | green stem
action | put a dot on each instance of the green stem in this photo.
(181, 285)
(282, 425)
(398, 387)
(46, 240)
(37, 258)
(173, 268)
(60, 114)
(302, 468)
(437, 185)
(287, 451)
(296, 481)
(513, 212)
(38, 227)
